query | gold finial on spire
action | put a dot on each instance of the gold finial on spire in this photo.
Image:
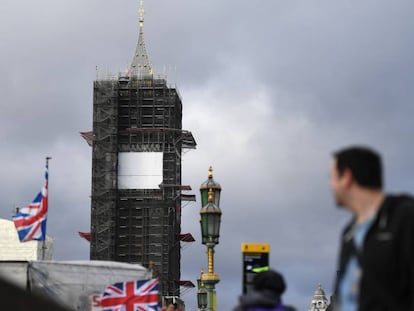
(210, 172)
(210, 195)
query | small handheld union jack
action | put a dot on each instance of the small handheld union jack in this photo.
(30, 221)
(131, 296)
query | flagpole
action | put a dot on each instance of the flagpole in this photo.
(47, 178)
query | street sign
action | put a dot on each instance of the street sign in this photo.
(255, 260)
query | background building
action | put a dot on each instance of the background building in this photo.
(137, 143)
(13, 249)
(319, 301)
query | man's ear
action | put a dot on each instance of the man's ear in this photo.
(347, 178)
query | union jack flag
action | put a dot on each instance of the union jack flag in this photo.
(30, 221)
(131, 296)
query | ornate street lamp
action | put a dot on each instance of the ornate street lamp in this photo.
(201, 295)
(210, 183)
(210, 214)
(210, 221)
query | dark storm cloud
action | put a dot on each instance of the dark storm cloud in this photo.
(333, 74)
(270, 89)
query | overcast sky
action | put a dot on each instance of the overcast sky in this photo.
(269, 87)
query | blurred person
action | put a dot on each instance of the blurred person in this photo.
(18, 299)
(268, 287)
(376, 257)
(177, 307)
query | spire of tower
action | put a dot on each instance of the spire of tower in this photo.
(140, 65)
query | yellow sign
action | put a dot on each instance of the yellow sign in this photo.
(255, 248)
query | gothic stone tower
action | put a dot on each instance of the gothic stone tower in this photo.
(137, 142)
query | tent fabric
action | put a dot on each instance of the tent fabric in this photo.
(72, 284)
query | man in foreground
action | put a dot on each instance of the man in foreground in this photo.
(376, 260)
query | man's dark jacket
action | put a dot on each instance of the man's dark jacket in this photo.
(261, 301)
(386, 257)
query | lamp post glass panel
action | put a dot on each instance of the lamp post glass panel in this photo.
(205, 187)
(202, 297)
(210, 223)
(210, 215)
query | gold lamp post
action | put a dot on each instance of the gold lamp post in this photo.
(210, 232)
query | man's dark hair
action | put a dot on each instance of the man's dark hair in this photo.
(364, 163)
(269, 280)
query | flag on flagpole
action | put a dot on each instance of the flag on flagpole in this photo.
(131, 296)
(30, 221)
